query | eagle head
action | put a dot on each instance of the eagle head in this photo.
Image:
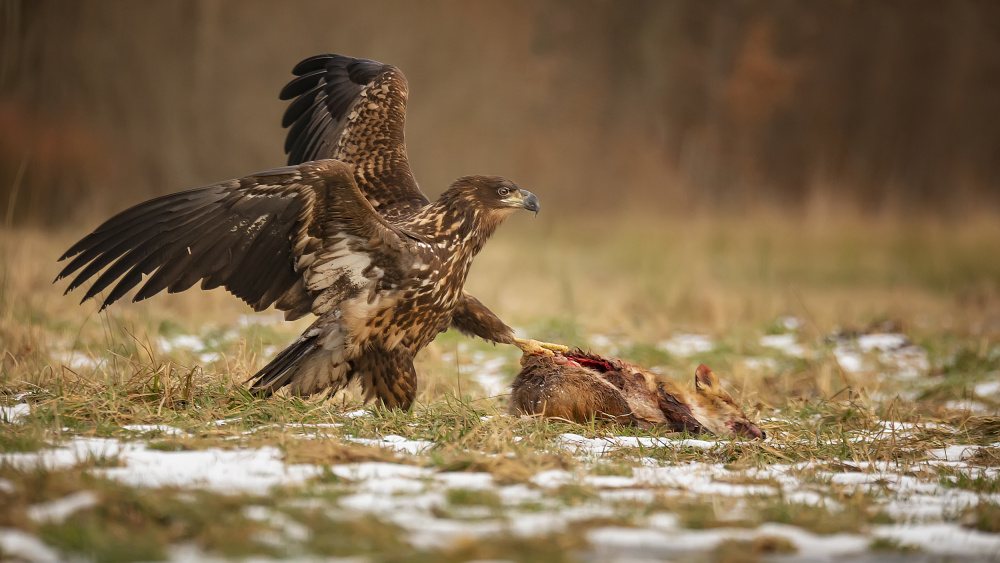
(494, 195)
(474, 206)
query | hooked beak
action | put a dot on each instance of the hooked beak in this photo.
(525, 200)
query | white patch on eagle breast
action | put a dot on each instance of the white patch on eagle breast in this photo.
(336, 262)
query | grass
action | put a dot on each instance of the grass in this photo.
(630, 284)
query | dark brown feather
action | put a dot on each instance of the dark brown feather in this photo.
(472, 318)
(241, 235)
(353, 110)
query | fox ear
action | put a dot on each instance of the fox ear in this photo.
(705, 380)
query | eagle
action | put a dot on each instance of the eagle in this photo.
(342, 232)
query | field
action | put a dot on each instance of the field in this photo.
(869, 350)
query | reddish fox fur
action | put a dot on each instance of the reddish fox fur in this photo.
(580, 387)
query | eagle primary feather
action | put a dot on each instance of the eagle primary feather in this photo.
(343, 233)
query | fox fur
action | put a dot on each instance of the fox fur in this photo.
(580, 387)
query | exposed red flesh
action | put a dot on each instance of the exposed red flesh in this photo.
(600, 365)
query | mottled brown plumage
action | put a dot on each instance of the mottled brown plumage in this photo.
(343, 233)
(579, 386)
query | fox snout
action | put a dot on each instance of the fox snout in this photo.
(747, 429)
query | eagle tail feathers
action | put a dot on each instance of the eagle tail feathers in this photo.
(280, 371)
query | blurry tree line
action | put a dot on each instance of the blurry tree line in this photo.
(870, 105)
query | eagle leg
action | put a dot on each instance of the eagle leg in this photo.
(529, 347)
(473, 318)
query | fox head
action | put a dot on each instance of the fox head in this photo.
(716, 411)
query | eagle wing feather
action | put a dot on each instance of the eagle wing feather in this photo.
(353, 110)
(245, 235)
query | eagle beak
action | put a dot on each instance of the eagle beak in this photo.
(523, 199)
(530, 202)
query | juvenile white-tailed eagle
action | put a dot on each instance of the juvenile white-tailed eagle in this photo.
(343, 232)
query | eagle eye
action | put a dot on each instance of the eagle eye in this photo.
(504, 191)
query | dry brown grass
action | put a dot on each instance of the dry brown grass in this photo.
(632, 280)
(636, 282)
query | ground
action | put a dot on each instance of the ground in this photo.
(869, 350)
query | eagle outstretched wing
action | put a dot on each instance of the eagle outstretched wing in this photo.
(353, 110)
(245, 235)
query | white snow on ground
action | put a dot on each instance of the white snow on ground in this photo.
(487, 373)
(552, 478)
(415, 497)
(58, 510)
(226, 471)
(609, 345)
(14, 414)
(662, 542)
(785, 343)
(395, 443)
(599, 446)
(953, 453)
(950, 539)
(16, 545)
(685, 345)
(74, 359)
(849, 358)
(187, 342)
(974, 407)
(893, 352)
(72, 452)
(193, 344)
(988, 388)
(759, 364)
(290, 528)
(791, 323)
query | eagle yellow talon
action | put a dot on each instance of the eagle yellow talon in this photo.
(529, 347)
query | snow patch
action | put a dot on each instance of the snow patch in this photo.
(15, 414)
(685, 345)
(187, 342)
(57, 511)
(17, 545)
(487, 373)
(785, 343)
(395, 443)
(987, 388)
(226, 471)
(74, 359)
(599, 446)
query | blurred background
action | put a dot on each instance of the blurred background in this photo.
(705, 167)
(806, 109)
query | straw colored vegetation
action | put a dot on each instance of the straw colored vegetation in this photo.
(893, 391)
